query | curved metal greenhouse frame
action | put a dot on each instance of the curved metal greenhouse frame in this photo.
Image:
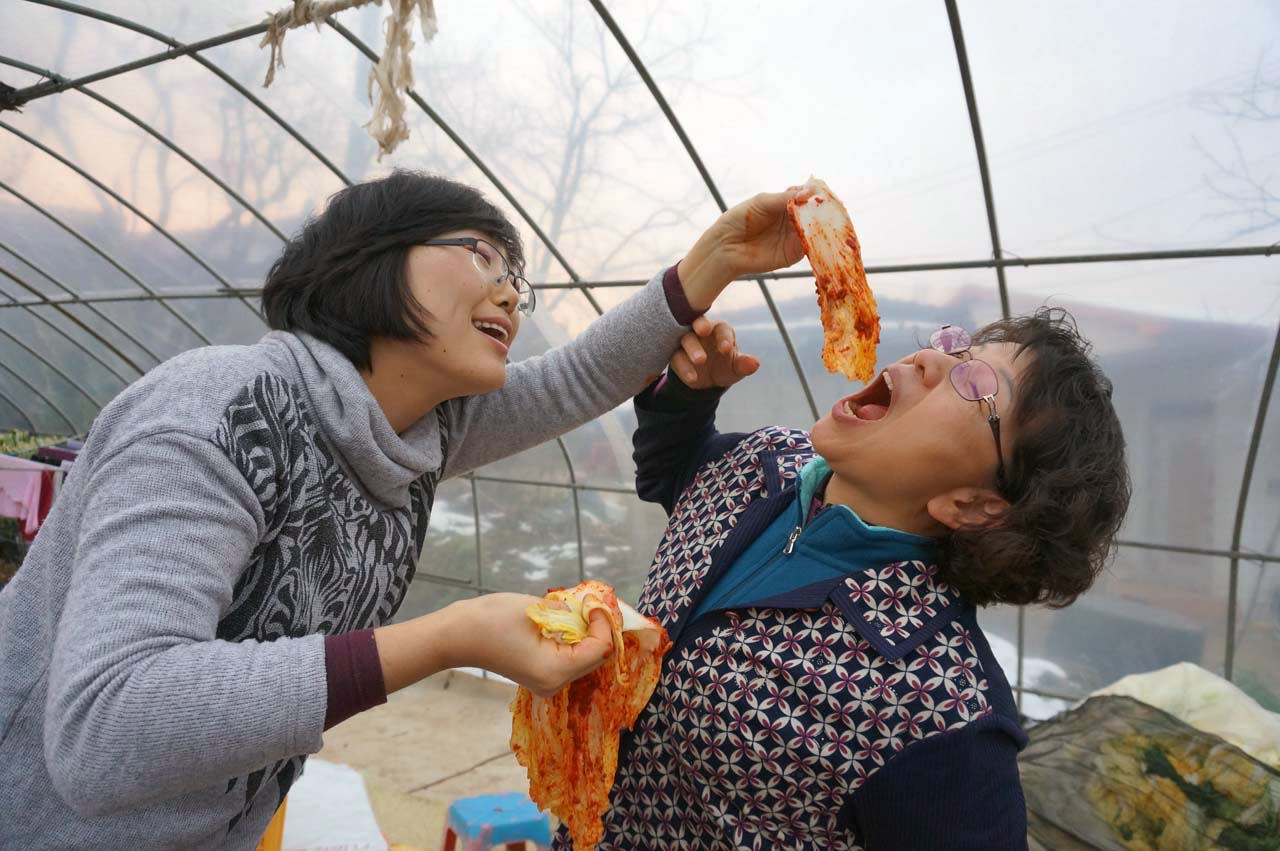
(119, 355)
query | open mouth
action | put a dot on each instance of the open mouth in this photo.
(870, 404)
(493, 329)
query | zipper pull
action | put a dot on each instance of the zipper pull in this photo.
(791, 541)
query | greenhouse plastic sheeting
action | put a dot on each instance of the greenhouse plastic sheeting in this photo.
(1119, 161)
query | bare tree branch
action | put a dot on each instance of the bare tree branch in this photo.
(1235, 179)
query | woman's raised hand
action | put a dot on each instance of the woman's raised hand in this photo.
(708, 356)
(754, 237)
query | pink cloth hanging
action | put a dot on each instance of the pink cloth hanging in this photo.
(22, 484)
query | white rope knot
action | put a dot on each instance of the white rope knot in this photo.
(393, 75)
(302, 13)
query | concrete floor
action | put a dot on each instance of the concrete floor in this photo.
(441, 739)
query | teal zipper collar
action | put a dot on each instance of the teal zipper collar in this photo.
(813, 476)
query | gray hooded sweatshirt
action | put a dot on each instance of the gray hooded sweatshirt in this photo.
(162, 671)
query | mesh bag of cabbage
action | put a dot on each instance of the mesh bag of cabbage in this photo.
(1115, 774)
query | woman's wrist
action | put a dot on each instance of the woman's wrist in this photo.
(704, 275)
(415, 649)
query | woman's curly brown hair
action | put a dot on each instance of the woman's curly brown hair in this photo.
(1067, 485)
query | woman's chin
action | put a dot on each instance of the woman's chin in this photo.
(821, 433)
(491, 380)
(833, 444)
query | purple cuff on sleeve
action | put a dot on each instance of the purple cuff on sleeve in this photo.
(354, 674)
(676, 299)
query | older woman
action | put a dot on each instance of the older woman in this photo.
(829, 686)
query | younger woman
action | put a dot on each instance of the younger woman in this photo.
(213, 588)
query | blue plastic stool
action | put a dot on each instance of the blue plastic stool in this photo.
(484, 821)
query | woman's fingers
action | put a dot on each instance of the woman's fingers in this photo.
(726, 338)
(572, 661)
(598, 643)
(708, 356)
(692, 347)
(744, 365)
(684, 368)
(775, 203)
(602, 630)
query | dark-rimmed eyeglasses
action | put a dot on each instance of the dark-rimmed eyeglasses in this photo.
(974, 379)
(489, 261)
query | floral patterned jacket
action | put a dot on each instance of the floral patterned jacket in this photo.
(867, 712)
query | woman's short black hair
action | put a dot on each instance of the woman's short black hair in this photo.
(1067, 485)
(342, 279)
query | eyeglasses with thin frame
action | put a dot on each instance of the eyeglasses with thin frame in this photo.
(489, 261)
(974, 379)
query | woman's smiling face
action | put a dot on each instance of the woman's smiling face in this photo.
(473, 322)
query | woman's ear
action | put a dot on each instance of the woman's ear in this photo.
(971, 507)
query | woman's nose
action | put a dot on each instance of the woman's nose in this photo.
(932, 366)
(505, 295)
